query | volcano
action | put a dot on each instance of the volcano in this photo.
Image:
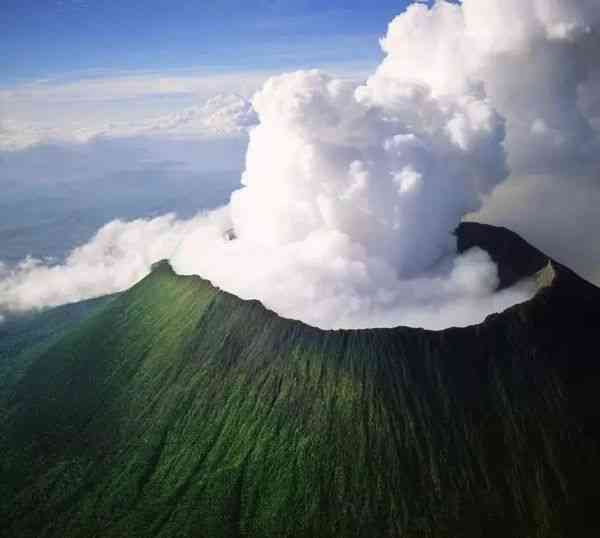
(177, 409)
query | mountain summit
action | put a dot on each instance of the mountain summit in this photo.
(177, 409)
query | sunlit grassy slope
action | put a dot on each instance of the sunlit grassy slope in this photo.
(176, 409)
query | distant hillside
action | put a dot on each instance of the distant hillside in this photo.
(24, 336)
(176, 409)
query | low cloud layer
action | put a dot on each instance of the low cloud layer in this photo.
(77, 109)
(223, 115)
(459, 291)
(120, 254)
(351, 191)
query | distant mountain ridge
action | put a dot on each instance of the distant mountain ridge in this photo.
(177, 409)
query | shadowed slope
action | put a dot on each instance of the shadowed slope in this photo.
(24, 336)
(180, 410)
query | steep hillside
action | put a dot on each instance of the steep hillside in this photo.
(23, 337)
(177, 409)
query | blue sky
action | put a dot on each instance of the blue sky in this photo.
(48, 38)
(72, 70)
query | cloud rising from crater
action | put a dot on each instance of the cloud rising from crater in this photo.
(351, 191)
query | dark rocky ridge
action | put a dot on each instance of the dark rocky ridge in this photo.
(516, 258)
(177, 409)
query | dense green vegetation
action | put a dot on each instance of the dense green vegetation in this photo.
(23, 337)
(176, 409)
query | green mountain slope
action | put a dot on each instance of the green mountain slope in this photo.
(176, 409)
(24, 337)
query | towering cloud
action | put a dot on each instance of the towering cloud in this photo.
(351, 191)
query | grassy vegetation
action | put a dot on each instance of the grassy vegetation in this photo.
(176, 409)
(23, 337)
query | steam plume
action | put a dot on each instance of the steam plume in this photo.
(351, 192)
